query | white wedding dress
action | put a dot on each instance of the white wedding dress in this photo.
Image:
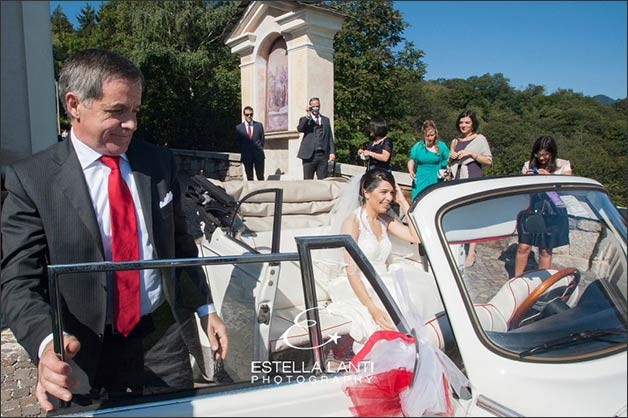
(404, 287)
(344, 300)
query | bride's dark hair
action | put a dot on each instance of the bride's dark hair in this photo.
(372, 178)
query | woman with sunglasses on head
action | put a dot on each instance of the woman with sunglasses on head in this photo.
(543, 160)
(428, 159)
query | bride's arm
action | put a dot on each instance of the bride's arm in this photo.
(350, 226)
(405, 232)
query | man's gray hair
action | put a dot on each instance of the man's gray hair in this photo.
(85, 72)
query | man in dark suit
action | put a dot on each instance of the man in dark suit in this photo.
(250, 135)
(99, 196)
(317, 146)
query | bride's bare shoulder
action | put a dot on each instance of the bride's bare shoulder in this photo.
(350, 224)
(351, 218)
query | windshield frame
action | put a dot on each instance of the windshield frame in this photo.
(611, 220)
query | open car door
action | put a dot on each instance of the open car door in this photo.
(284, 378)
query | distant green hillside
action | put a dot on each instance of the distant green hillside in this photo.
(604, 99)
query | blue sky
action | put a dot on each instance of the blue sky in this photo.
(578, 45)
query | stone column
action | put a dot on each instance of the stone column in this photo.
(29, 122)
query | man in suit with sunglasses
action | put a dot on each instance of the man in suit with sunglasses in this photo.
(250, 135)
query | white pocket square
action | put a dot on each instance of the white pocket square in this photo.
(167, 199)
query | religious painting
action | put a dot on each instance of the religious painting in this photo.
(277, 87)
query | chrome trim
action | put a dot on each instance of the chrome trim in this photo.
(496, 408)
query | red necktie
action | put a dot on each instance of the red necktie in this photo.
(250, 130)
(318, 120)
(124, 247)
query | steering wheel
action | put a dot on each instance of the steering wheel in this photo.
(517, 316)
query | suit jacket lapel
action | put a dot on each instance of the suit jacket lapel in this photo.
(74, 187)
(141, 167)
(244, 130)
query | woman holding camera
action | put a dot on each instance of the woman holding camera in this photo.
(428, 159)
(379, 151)
(543, 160)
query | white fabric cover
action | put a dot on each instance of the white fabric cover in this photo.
(265, 223)
(303, 207)
(491, 318)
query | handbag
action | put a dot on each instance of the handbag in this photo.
(534, 223)
(542, 209)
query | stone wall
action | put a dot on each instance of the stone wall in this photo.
(222, 166)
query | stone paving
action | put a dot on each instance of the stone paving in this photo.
(19, 377)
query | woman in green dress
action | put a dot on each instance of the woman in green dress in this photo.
(428, 159)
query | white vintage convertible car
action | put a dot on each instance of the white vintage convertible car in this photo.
(548, 342)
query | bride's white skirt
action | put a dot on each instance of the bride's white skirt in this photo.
(415, 294)
(344, 302)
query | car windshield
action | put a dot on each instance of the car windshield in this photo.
(548, 279)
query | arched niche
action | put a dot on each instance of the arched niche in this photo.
(273, 82)
(277, 86)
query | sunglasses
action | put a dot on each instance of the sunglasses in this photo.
(248, 114)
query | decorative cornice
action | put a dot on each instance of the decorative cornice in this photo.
(243, 44)
(313, 21)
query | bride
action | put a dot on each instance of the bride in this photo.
(362, 212)
(367, 221)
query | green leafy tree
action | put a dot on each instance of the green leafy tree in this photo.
(191, 99)
(63, 37)
(60, 22)
(62, 33)
(87, 20)
(373, 64)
